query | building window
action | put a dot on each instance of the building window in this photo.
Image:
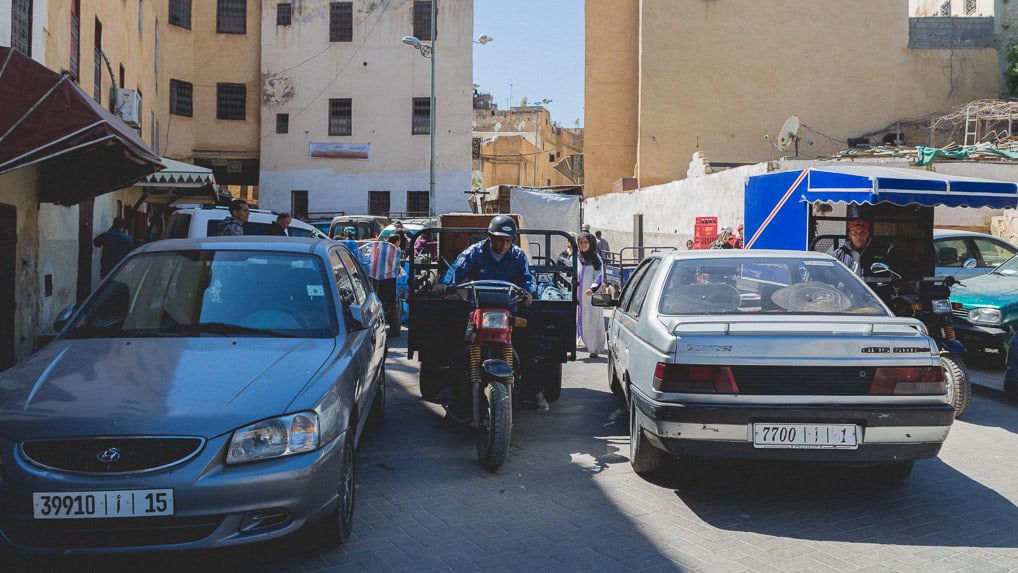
(97, 58)
(341, 116)
(378, 203)
(945, 8)
(340, 21)
(141, 14)
(231, 16)
(299, 204)
(284, 14)
(75, 38)
(21, 26)
(231, 101)
(282, 123)
(422, 116)
(180, 13)
(422, 20)
(970, 7)
(181, 94)
(417, 203)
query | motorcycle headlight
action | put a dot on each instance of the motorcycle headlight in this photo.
(274, 438)
(941, 306)
(495, 321)
(989, 316)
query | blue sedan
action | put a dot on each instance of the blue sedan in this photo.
(210, 392)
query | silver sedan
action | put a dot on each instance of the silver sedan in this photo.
(210, 392)
(776, 355)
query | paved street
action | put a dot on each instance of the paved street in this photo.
(568, 500)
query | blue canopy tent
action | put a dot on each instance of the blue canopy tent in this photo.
(777, 204)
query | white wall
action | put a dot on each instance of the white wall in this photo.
(670, 210)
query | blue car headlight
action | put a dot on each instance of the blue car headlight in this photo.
(274, 438)
(990, 316)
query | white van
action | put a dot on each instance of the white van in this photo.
(204, 222)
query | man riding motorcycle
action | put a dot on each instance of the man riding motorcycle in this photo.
(496, 258)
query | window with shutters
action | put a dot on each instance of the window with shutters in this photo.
(231, 101)
(231, 16)
(282, 123)
(181, 94)
(340, 21)
(284, 14)
(21, 26)
(422, 20)
(180, 13)
(378, 203)
(341, 116)
(421, 116)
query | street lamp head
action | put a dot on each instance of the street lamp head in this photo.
(483, 39)
(412, 41)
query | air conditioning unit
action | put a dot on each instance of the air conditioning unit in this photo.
(127, 106)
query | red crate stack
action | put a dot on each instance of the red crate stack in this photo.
(705, 232)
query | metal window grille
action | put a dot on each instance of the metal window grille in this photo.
(231, 16)
(284, 14)
(21, 26)
(945, 8)
(299, 204)
(341, 116)
(378, 203)
(181, 98)
(97, 84)
(422, 20)
(340, 21)
(75, 39)
(282, 123)
(180, 13)
(231, 101)
(421, 116)
(417, 203)
(970, 7)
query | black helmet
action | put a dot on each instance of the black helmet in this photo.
(502, 226)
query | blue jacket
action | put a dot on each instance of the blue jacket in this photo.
(477, 263)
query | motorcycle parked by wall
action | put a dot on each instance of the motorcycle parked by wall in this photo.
(929, 301)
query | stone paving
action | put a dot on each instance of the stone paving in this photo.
(568, 500)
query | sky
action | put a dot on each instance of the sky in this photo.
(537, 53)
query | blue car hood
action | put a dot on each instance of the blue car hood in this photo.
(194, 386)
(986, 290)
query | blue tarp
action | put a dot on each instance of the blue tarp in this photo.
(776, 203)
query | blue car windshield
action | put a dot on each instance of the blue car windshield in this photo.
(754, 285)
(212, 293)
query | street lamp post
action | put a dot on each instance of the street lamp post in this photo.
(429, 52)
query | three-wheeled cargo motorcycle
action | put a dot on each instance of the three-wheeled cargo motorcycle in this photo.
(811, 209)
(482, 353)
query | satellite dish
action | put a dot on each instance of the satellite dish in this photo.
(498, 125)
(789, 132)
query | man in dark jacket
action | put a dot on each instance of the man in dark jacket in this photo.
(115, 243)
(278, 227)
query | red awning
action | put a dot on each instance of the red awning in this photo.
(46, 119)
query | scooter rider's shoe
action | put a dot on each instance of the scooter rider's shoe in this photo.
(540, 403)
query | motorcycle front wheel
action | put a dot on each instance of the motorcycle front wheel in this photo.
(495, 427)
(959, 388)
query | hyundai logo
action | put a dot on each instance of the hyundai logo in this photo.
(108, 456)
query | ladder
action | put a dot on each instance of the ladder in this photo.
(971, 126)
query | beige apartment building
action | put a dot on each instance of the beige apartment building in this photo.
(346, 106)
(521, 146)
(668, 78)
